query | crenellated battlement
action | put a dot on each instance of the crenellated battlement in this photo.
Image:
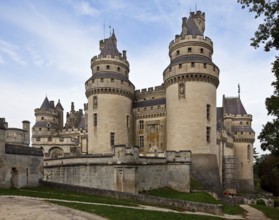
(181, 39)
(238, 116)
(109, 57)
(149, 90)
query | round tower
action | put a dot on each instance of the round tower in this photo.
(239, 124)
(191, 80)
(110, 94)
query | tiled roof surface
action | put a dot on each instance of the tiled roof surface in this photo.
(110, 75)
(150, 102)
(59, 106)
(44, 124)
(192, 28)
(46, 105)
(233, 106)
(190, 59)
(110, 47)
(21, 150)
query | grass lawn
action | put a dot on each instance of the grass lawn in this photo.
(51, 193)
(272, 213)
(116, 213)
(196, 197)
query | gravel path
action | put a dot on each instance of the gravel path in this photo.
(253, 214)
(24, 208)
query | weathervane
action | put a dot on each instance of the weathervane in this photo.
(238, 90)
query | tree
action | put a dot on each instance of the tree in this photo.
(268, 34)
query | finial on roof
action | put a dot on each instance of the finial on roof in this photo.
(238, 90)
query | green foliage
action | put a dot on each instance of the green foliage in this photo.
(260, 202)
(276, 202)
(269, 135)
(269, 173)
(195, 184)
(194, 197)
(233, 210)
(268, 31)
(268, 34)
(272, 213)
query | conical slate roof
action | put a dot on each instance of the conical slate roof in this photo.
(234, 106)
(110, 47)
(192, 27)
(59, 106)
(46, 105)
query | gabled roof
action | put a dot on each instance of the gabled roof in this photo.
(46, 105)
(110, 47)
(233, 106)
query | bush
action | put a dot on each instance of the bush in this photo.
(260, 202)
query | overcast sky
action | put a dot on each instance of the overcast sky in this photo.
(46, 47)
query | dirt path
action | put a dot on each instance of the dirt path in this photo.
(23, 208)
(253, 214)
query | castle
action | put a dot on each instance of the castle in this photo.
(133, 140)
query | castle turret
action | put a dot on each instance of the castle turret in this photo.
(110, 94)
(2, 136)
(46, 120)
(26, 127)
(238, 123)
(60, 110)
(191, 80)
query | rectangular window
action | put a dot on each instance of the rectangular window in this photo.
(112, 136)
(204, 65)
(141, 124)
(128, 121)
(208, 134)
(180, 66)
(141, 141)
(208, 112)
(95, 119)
(108, 67)
(189, 49)
(118, 69)
(102, 79)
(192, 64)
(201, 50)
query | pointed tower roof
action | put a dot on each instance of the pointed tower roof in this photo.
(233, 106)
(59, 106)
(46, 104)
(109, 46)
(192, 27)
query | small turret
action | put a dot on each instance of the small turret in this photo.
(26, 127)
